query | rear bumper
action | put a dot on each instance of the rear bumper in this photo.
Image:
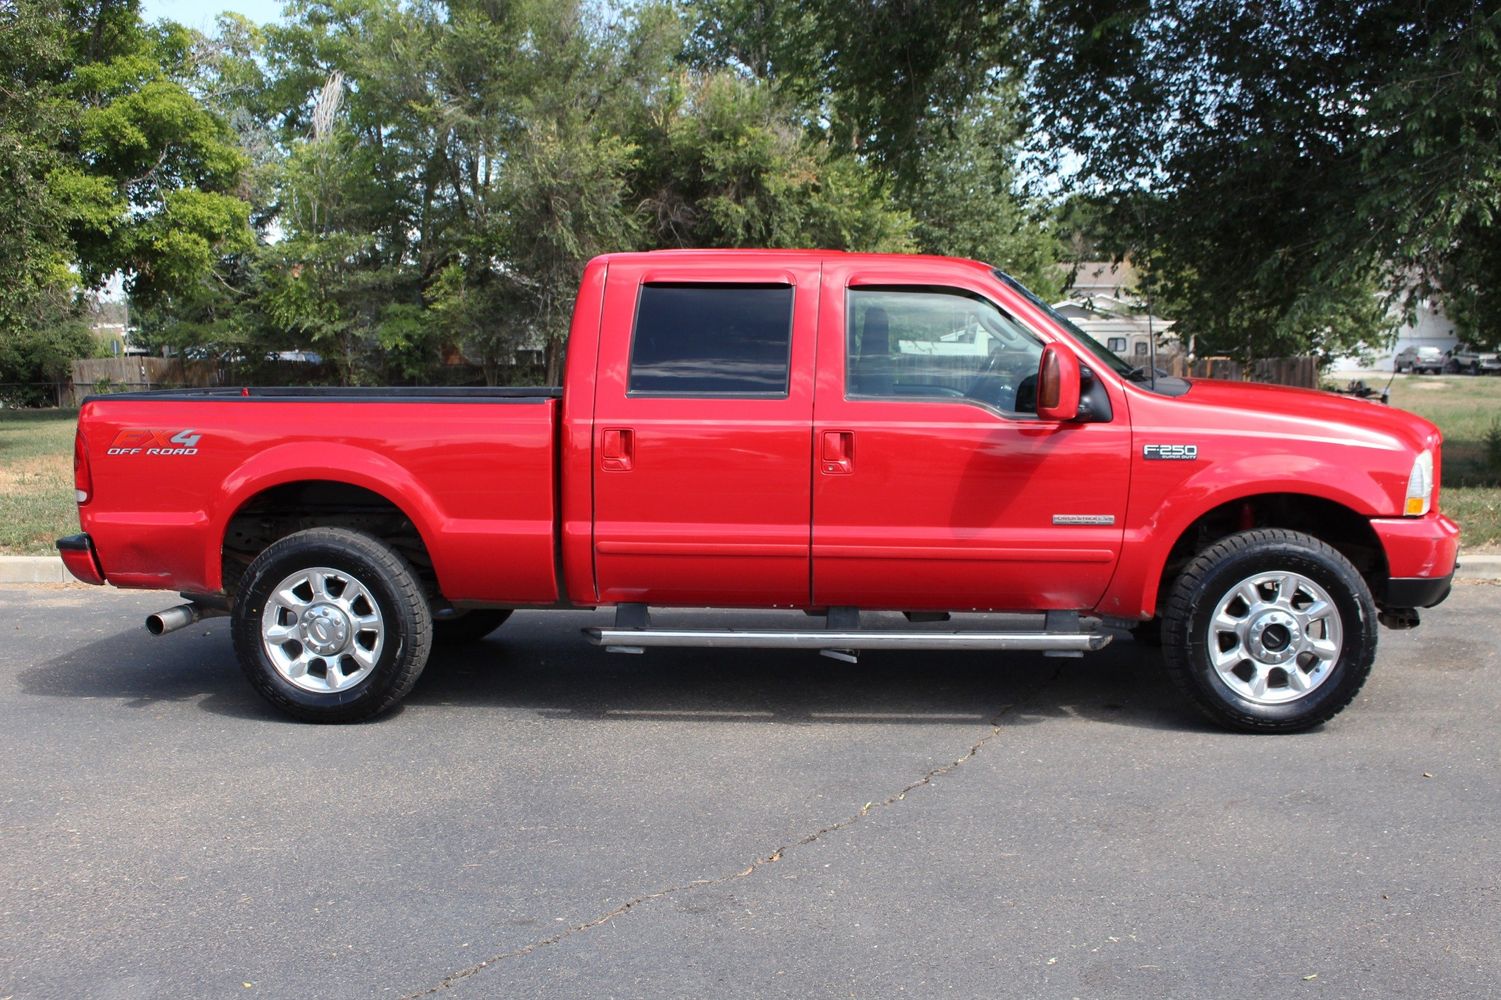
(79, 557)
(1420, 560)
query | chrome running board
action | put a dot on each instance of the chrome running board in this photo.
(634, 640)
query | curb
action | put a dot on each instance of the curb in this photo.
(33, 569)
(50, 569)
(1478, 567)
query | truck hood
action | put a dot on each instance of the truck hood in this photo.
(1277, 409)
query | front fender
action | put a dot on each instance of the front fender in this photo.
(1161, 511)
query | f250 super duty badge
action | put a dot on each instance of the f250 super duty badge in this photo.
(140, 441)
(1170, 452)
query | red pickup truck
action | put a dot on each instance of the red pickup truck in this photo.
(820, 432)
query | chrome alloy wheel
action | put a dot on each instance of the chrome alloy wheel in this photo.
(1275, 637)
(322, 630)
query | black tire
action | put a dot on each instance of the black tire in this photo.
(396, 649)
(465, 627)
(1213, 577)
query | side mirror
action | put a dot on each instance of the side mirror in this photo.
(1058, 384)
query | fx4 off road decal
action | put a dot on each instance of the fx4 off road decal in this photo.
(140, 441)
(1170, 452)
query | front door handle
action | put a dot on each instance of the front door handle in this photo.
(836, 453)
(617, 449)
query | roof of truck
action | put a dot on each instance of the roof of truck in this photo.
(799, 254)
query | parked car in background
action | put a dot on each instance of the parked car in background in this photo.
(1464, 358)
(1420, 360)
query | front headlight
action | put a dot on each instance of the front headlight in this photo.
(1420, 486)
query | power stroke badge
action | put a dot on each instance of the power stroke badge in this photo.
(1170, 452)
(1078, 520)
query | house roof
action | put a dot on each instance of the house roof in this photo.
(1102, 277)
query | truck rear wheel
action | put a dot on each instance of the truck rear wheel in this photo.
(331, 625)
(1269, 631)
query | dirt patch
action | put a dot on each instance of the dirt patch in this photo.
(34, 475)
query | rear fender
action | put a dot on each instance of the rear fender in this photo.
(342, 463)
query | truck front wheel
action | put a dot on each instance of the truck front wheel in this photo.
(1269, 631)
(331, 625)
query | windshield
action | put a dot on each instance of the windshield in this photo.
(1093, 346)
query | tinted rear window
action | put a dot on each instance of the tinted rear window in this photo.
(712, 340)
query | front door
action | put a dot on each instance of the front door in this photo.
(702, 438)
(936, 485)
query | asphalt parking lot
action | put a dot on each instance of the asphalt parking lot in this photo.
(545, 819)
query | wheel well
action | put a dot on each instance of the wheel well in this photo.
(291, 507)
(1340, 527)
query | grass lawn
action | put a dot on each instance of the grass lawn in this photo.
(36, 480)
(36, 463)
(1467, 409)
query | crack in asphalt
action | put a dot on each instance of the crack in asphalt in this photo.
(454, 978)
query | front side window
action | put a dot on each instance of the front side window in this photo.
(712, 340)
(939, 344)
(1117, 344)
(1100, 351)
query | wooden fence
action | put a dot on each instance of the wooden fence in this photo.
(1300, 371)
(132, 373)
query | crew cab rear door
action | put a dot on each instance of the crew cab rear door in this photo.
(702, 432)
(936, 485)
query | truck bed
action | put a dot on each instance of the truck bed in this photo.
(180, 474)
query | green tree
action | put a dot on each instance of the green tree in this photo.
(148, 179)
(1301, 160)
(41, 329)
(39, 319)
(344, 188)
(1469, 281)
(428, 176)
(724, 163)
(926, 96)
(110, 164)
(969, 201)
(534, 99)
(884, 78)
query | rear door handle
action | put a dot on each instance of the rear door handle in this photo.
(617, 449)
(836, 453)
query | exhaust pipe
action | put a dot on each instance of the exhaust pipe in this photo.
(180, 617)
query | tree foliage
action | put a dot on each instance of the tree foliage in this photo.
(397, 183)
(110, 165)
(470, 157)
(39, 318)
(926, 93)
(884, 77)
(1283, 162)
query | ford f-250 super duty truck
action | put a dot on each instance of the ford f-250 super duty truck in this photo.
(812, 431)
